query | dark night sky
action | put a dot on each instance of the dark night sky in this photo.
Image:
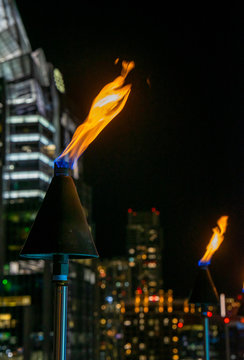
(177, 144)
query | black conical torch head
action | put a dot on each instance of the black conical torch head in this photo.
(204, 291)
(60, 227)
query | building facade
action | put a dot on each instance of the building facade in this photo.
(144, 245)
(113, 292)
(34, 129)
(30, 128)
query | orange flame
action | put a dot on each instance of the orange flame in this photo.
(108, 103)
(215, 241)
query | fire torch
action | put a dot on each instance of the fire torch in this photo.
(60, 231)
(204, 292)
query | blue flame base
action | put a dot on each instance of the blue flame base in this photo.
(203, 264)
(61, 168)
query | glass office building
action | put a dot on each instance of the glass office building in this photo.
(144, 244)
(34, 129)
(30, 123)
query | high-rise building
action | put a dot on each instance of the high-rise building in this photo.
(150, 328)
(81, 324)
(30, 127)
(113, 293)
(34, 129)
(144, 244)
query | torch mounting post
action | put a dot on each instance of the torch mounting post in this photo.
(206, 333)
(60, 279)
(204, 294)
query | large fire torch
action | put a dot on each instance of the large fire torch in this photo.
(204, 292)
(60, 231)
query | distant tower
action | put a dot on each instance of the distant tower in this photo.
(30, 134)
(113, 292)
(144, 246)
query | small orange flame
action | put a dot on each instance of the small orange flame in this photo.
(108, 103)
(215, 241)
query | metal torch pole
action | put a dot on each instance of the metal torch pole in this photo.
(206, 336)
(227, 342)
(60, 279)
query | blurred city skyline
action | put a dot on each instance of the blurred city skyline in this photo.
(153, 186)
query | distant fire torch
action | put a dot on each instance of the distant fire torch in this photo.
(204, 292)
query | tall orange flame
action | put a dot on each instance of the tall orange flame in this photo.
(215, 241)
(108, 103)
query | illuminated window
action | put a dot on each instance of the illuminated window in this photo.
(131, 251)
(166, 321)
(29, 137)
(151, 250)
(127, 346)
(5, 316)
(166, 340)
(102, 272)
(71, 324)
(137, 300)
(29, 156)
(154, 298)
(23, 194)
(27, 119)
(142, 346)
(58, 79)
(152, 264)
(15, 301)
(109, 299)
(23, 175)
